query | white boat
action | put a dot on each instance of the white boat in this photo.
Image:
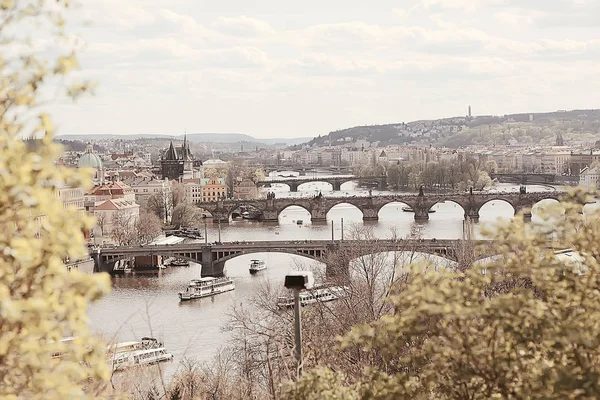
(134, 358)
(323, 294)
(257, 265)
(205, 287)
(67, 340)
(125, 347)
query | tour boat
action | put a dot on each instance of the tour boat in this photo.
(315, 295)
(179, 263)
(134, 358)
(125, 347)
(257, 265)
(409, 209)
(59, 354)
(299, 222)
(205, 287)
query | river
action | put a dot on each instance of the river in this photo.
(147, 304)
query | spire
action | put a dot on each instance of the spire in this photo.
(171, 154)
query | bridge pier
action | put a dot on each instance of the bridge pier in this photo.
(222, 217)
(370, 214)
(472, 214)
(336, 185)
(318, 217)
(421, 213)
(269, 216)
(526, 212)
(293, 187)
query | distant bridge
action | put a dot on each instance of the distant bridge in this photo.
(335, 181)
(318, 207)
(536, 179)
(303, 169)
(213, 257)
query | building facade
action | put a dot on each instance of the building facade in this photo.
(589, 177)
(245, 190)
(213, 189)
(178, 163)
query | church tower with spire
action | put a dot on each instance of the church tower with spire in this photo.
(170, 164)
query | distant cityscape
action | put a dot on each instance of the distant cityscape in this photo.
(143, 173)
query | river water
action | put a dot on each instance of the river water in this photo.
(147, 304)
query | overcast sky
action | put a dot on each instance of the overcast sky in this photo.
(275, 68)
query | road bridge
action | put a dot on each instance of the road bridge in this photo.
(335, 181)
(303, 169)
(536, 179)
(318, 207)
(213, 256)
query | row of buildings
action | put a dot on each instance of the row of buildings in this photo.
(122, 192)
(558, 160)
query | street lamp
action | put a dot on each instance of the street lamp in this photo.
(298, 281)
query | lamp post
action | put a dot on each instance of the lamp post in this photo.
(342, 226)
(205, 233)
(298, 281)
(219, 231)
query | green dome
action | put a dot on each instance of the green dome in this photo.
(89, 159)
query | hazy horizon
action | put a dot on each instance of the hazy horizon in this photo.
(278, 70)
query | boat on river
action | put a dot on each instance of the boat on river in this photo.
(205, 287)
(321, 295)
(179, 262)
(257, 265)
(409, 209)
(125, 347)
(128, 359)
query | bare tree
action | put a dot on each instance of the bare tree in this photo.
(177, 194)
(101, 221)
(124, 230)
(186, 214)
(148, 227)
(159, 205)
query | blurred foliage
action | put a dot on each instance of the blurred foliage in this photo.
(40, 301)
(524, 326)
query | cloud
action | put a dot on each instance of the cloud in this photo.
(370, 58)
(242, 26)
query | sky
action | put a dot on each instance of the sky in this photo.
(280, 69)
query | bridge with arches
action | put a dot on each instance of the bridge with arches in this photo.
(335, 181)
(213, 256)
(318, 207)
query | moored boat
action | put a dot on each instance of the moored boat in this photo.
(257, 265)
(125, 347)
(409, 209)
(140, 357)
(178, 262)
(322, 295)
(205, 287)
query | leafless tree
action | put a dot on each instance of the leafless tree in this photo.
(186, 214)
(124, 228)
(101, 222)
(148, 227)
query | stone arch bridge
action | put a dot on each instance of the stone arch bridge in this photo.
(335, 181)
(213, 256)
(318, 207)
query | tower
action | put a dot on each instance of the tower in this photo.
(171, 165)
(559, 140)
(469, 111)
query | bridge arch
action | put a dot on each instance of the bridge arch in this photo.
(303, 185)
(344, 202)
(280, 211)
(487, 205)
(107, 264)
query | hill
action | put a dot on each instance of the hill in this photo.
(194, 137)
(522, 128)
